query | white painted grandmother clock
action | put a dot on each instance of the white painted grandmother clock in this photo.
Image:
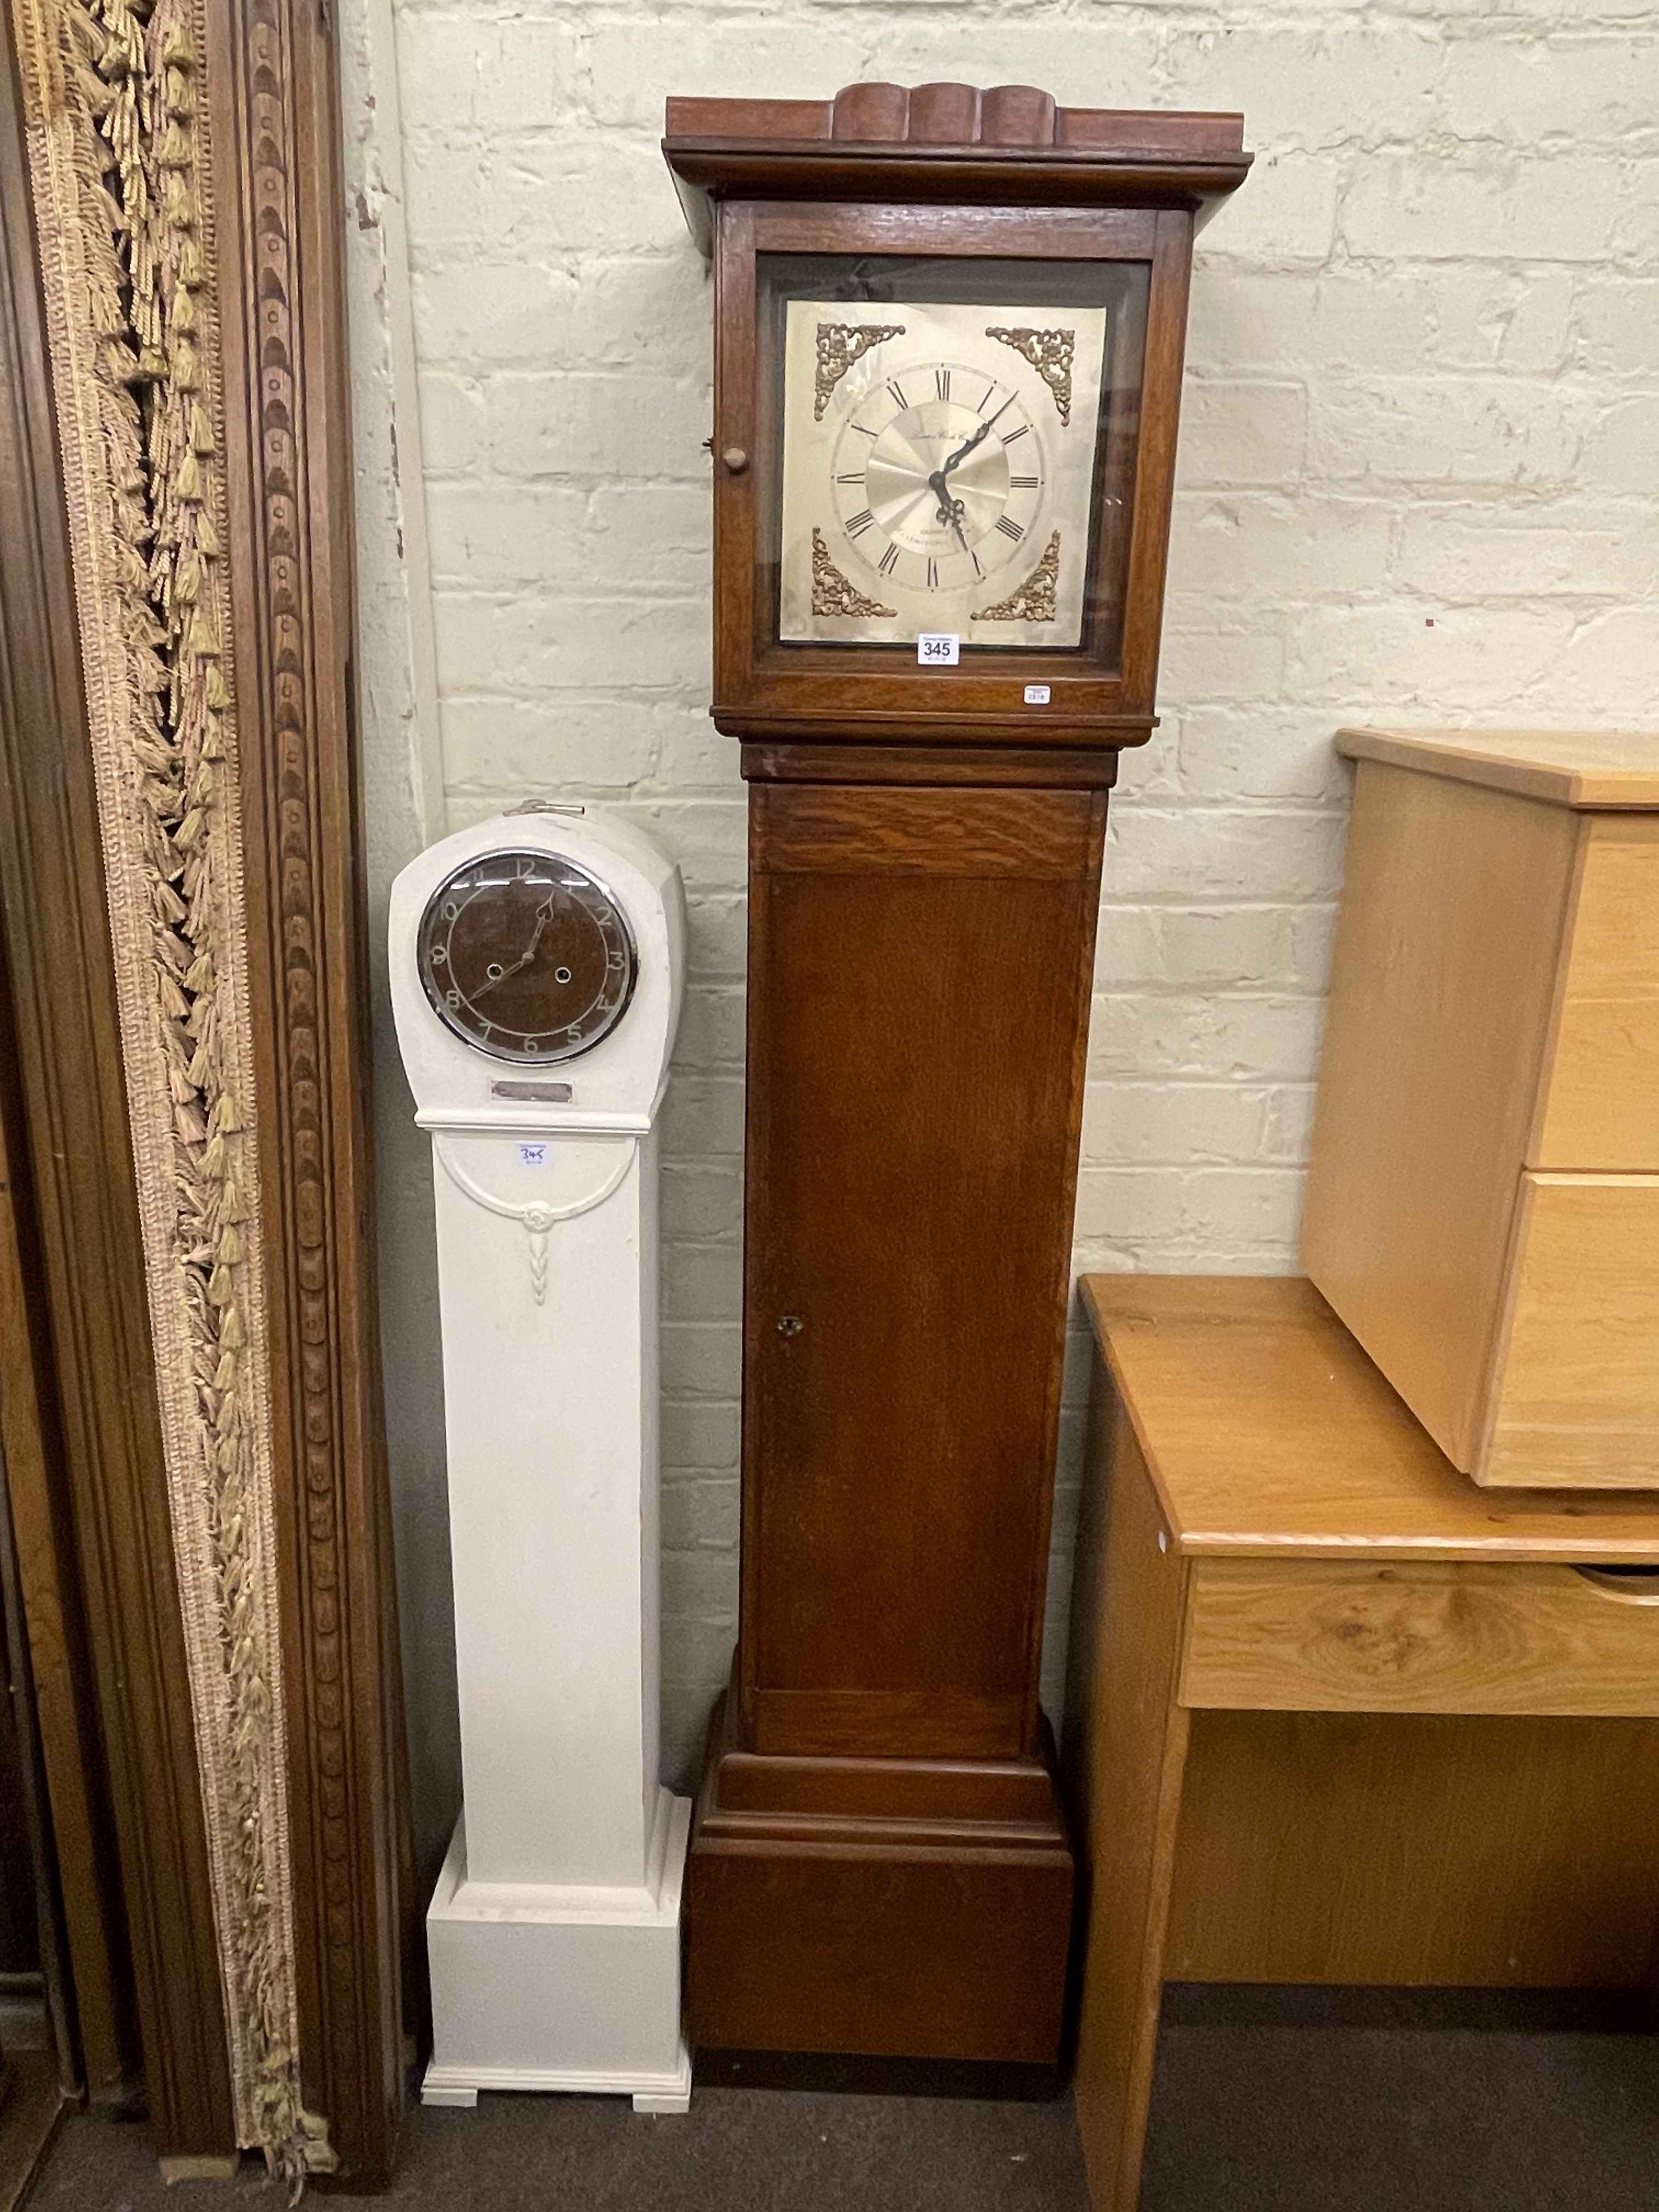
(537, 966)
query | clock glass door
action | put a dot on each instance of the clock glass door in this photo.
(951, 450)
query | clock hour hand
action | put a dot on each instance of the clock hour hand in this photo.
(523, 961)
(544, 915)
(950, 510)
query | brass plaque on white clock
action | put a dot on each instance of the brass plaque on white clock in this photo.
(939, 471)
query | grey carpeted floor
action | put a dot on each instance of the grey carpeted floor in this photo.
(1250, 2115)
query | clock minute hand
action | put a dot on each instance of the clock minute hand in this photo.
(983, 431)
(544, 915)
(962, 452)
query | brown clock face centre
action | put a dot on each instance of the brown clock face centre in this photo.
(527, 957)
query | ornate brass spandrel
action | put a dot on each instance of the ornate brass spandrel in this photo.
(1049, 353)
(833, 593)
(1034, 600)
(840, 344)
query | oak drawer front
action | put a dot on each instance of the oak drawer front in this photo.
(1348, 1635)
(1599, 1105)
(1575, 1396)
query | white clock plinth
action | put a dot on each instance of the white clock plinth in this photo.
(554, 1932)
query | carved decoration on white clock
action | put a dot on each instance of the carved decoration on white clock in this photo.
(1049, 353)
(840, 344)
(1034, 600)
(538, 1217)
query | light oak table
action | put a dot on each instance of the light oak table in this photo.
(1336, 1715)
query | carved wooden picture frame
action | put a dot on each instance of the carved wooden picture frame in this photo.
(182, 909)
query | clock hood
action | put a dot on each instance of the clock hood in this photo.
(619, 1084)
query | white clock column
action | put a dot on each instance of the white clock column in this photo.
(554, 1932)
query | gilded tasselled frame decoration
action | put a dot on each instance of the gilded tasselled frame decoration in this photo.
(120, 161)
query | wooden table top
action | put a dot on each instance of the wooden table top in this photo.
(1568, 767)
(1265, 1429)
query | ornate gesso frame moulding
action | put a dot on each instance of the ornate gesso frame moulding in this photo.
(187, 220)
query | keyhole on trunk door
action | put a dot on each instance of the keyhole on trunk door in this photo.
(790, 1324)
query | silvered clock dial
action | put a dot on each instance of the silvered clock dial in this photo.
(939, 472)
(527, 957)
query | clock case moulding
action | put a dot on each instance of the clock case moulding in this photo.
(879, 1859)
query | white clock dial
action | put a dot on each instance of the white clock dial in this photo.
(939, 472)
(937, 493)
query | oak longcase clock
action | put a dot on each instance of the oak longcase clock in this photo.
(949, 329)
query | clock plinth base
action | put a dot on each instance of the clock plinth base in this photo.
(902, 1908)
(539, 1985)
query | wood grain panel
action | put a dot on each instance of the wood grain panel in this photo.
(1378, 1849)
(1347, 1636)
(1018, 116)
(1126, 1748)
(1570, 767)
(1451, 921)
(967, 1792)
(914, 832)
(1575, 1395)
(1029, 234)
(1154, 465)
(890, 1950)
(99, 1963)
(887, 1723)
(914, 1099)
(1024, 767)
(1269, 1432)
(1599, 1104)
(907, 1907)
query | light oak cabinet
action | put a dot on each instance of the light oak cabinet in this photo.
(1483, 1205)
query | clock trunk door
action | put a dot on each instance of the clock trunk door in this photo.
(919, 967)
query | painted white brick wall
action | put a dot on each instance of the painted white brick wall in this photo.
(1418, 481)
